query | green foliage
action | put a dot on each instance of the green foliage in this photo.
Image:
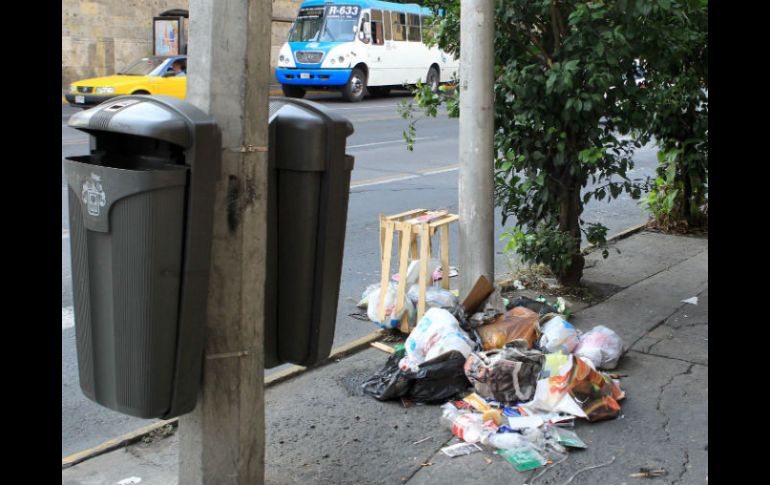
(676, 109)
(566, 99)
(544, 244)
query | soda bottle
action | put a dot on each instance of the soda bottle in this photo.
(466, 426)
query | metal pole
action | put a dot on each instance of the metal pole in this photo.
(476, 177)
(223, 440)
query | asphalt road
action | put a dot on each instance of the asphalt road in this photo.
(387, 179)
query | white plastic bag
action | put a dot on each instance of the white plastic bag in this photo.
(391, 319)
(601, 346)
(437, 333)
(558, 334)
(364, 301)
(435, 297)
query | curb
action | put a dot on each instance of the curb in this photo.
(618, 236)
(293, 371)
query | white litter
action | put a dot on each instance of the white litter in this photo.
(691, 301)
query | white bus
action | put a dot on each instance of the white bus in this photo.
(360, 47)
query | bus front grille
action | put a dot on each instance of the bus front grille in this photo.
(309, 57)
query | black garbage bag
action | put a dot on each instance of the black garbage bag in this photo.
(435, 381)
(439, 379)
(390, 382)
(536, 306)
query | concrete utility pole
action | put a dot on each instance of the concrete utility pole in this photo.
(476, 178)
(223, 440)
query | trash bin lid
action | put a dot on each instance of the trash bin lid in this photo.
(158, 117)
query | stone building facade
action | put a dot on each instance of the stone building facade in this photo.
(99, 37)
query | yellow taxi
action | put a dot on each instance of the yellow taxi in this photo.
(148, 75)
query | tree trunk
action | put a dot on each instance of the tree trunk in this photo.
(569, 222)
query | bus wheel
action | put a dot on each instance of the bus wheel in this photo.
(433, 79)
(291, 91)
(355, 89)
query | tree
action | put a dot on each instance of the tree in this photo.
(566, 96)
(677, 114)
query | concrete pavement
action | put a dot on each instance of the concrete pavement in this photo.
(321, 429)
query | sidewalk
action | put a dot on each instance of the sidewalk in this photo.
(321, 429)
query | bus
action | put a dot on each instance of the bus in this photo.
(359, 47)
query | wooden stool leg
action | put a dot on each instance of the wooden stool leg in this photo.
(445, 256)
(424, 256)
(406, 241)
(383, 223)
(386, 255)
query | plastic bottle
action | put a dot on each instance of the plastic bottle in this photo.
(465, 426)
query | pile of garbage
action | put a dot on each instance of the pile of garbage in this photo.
(511, 375)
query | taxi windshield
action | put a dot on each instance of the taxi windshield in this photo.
(143, 67)
(332, 23)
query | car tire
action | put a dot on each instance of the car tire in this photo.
(433, 79)
(291, 91)
(355, 90)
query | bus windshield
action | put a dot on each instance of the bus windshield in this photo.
(332, 23)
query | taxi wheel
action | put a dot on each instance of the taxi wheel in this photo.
(141, 92)
(292, 91)
(355, 89)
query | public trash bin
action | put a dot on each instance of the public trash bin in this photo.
(308, 191)
(141, 210)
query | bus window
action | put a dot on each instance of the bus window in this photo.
(413, 31)
(386, 22)
(427, 28)
(399, 25)
(377, 31)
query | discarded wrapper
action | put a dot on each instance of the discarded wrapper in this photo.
(460, 449)
(477, 402)
(523, 458)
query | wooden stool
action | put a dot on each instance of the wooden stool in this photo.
(409, 225)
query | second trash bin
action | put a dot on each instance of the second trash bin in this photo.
(308, 194)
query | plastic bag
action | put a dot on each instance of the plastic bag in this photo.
(580, 391)
(517, 323)
(439, 379)
(539, 307)
(601, 346)
(554, 364)
(505, 375)
(558, 335)
(390, 382)
(434, 381)
(435, 297)
(391, 319)
(437, 333)
(364, 301)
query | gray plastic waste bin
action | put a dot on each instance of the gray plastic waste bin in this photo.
(308, 193)
(141, 211)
